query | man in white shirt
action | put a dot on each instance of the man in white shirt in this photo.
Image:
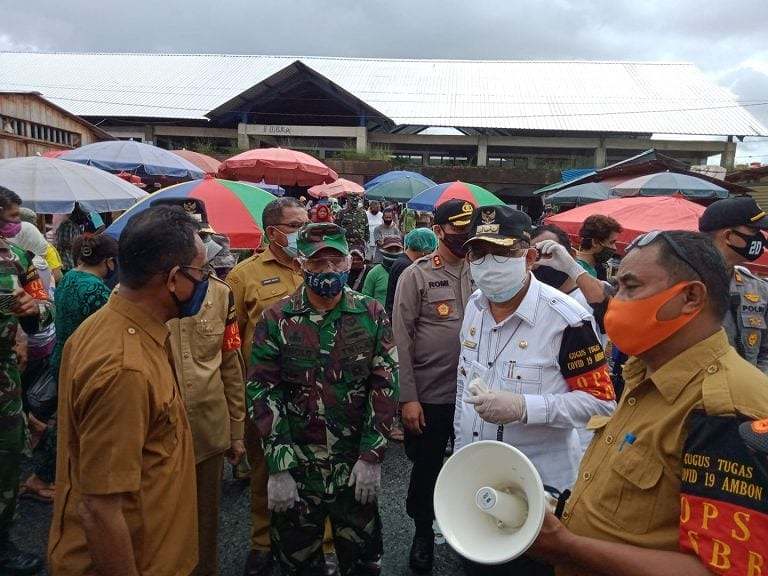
(375, 219)
(531, 368)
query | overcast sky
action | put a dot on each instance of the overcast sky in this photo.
(726, 39)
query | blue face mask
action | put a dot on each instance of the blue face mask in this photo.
(326, 284)
(193, 305)
(290, 248)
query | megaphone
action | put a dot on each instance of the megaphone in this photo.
(489, 502)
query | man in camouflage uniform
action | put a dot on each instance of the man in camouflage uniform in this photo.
(31, 308)
(322, 391)
(355, 224)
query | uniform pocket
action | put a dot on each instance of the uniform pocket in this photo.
(522, 378)
(440, 304)
(209, 335)
(631, 491)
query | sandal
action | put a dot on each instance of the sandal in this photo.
(35, 489)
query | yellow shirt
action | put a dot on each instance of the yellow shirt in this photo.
(52, 257)
(639, 463)
(123, 430)
(257, 283)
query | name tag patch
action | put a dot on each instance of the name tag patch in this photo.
(268, 281)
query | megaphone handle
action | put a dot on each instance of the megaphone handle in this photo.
(562, 498)
(500, 433)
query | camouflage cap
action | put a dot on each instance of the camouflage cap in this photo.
(316, 236)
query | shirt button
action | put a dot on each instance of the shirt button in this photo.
(609, 439)
(131, 331)
(712, 368)
(586, 476)
(631, 401)
(566, 515)
(186, 354)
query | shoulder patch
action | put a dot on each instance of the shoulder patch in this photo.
(437, 262)
(572, 315)
(133, 356)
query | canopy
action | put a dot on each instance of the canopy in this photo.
(668, 183)
(137, 157)
(397, 185)
(233, 208)
(432, 197)
(338, 189)
(204, 162)
(280, 166)
(579, 195)
(52, 186)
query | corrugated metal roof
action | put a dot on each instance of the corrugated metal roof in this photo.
(625, 97)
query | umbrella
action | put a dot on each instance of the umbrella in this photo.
(277, 166)
(136, 157)
(204, 162)
(53, 153)
(636, 215)
(52, 186)
(579, 195)
(668, 183)
(337, 189)
(432, 197)
(233, 208)
(398, 185)
(271, 188)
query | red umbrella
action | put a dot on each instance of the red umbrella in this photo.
(338, 189)
(206, 163)
(53, 153)
(279, 166)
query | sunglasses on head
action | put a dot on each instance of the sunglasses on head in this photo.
(646, 239)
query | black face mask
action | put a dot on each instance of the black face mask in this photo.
(604, 255)
(388, 258)
(550, 276)
(455, 243)
(753, 249)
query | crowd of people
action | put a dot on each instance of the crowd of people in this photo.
(137, 367)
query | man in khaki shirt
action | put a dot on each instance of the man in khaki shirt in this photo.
(125, 497)
(257, 283)
(667, 486)
(206, 352)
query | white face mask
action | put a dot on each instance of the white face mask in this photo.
(499, 282)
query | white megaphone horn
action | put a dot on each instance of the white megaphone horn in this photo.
(490, 502)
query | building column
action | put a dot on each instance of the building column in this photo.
(361, 140)
(601, 155)
(728, 157)
(242, 136)
(149, 134)
(482, 150)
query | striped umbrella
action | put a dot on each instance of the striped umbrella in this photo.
(431, 198)
(233, 208)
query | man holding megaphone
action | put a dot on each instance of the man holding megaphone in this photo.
(531, 368)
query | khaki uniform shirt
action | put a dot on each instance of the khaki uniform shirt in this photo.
(427, 315)
(257, 283)
(746, 322)
(123, 430)
(206, 351)
(651, 456)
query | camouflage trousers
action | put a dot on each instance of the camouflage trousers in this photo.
(12, 443)
(297, 535)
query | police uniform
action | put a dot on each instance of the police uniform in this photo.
(669, 470)
(745, 323)
(428, 310)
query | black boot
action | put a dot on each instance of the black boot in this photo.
(15, 562)
(259, 563)
(422, 554)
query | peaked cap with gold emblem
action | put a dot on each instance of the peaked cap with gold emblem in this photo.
(502, 225)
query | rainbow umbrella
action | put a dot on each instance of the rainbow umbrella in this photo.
(233, 208)
(431, 198)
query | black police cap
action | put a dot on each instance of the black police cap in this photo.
(454, 211)
(502, 225)
(732, 212)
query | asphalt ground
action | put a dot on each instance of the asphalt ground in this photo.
(31, 530)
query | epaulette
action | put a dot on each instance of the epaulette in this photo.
(437, 262)
(133, 354)
(572, 315)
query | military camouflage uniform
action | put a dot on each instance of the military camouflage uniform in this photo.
(322, 391)
(16, 270)
(355, 224)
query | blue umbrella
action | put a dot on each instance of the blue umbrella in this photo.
(397, 185)
(135, 157)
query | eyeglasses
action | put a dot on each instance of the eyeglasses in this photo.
(292, 225)
(205, 272)
(338, 263)
(477, 254)
(646, 239)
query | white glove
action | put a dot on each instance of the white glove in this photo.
(366, 478)
(557, 256)
(498, 407)
(282, 493)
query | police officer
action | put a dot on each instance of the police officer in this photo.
(429, 307)
(735, 226)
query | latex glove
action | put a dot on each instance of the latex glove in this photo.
(498, 407)
(366, 478)
(282, 493)
(557, 256)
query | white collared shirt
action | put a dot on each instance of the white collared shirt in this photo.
(547, 351)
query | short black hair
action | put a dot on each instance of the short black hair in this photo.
(560, 234)
(273, 212)
(598, 227)
(8, 198)
(92, 249)
(153, 242)
(702, 253)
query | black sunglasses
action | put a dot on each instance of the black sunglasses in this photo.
(646, 239)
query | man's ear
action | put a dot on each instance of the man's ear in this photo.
(696, 297)
(531, 257)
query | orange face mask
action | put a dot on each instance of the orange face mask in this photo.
(633, 326)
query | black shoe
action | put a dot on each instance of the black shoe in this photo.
(422, 554)
(259, 563)
(15, 562)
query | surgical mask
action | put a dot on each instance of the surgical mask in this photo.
(633, 326)
(455, 243)
(10, 229)
(194, 303)
(753, 249)
(326, 284)
(499, 282)
(550, 276)
(289, 247)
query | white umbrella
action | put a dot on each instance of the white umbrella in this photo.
(52, 186)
